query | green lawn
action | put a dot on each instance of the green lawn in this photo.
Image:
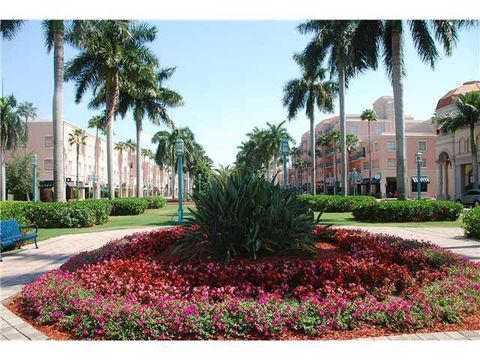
(153, 217)
(348, 219)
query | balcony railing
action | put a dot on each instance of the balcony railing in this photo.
(358, 155)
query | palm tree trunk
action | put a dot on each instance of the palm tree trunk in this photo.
(343, 135)
(397, 81)
(335, 169)
(120, 181)
(111, 95)
(275, 168)
(369, 160)
(324, 170)
(58, 140)
(3, 189)
(314, 165)
(139, 187)
(473, 148)
(96, 194)
(174, 178)
(78, 169)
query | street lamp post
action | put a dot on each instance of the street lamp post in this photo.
(180, 150)
(34, 177)
(284, 150)
(419, 161)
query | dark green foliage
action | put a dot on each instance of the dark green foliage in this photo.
(471, 223)
(101, 208)
(155, 202)
(19, 176)
(128, 206)
(247, 216)
(408, 210)
(335, 203)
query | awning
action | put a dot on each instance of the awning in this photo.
(423, 179)
(45, 184)
(365, 181)
(375, 181)
(73, 184)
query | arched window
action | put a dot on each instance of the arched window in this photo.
(460, 146)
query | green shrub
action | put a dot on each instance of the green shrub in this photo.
(102, 209)
(248, 216)
(408, 210)
(128, 206)
(15, 210)
(155, 202)
(335, 203)
(471, 223)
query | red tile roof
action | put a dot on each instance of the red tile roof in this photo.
(467, 87)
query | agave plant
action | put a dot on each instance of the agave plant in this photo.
(247, 216)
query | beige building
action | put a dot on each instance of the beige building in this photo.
(155, 180)
(453, 155)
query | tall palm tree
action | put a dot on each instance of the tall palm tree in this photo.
(97, 122)
(467, 115)
(109, 51)
(54, 38)
(334, 140)
(78, 138)
(9, 28)
(28, 112)
(120, 147)
(390, 36)
(272, 137)
(352, 143)
(166, 155)
(13, 133)
(324, 141)
(148, 97)
(130, 146)
(336, 39)
(309, 91)
(147, 154)
(371, 116)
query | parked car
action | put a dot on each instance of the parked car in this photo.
(470, 197)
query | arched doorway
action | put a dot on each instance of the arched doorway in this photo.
(444, 163)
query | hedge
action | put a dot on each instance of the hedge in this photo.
(408, 210)
(471, 223)
(75, 214)
(128, 206)
(335, 203)
(155, 202)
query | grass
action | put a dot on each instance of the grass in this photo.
(152, 217)
(348, 219)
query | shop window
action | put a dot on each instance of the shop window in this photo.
(423, 187)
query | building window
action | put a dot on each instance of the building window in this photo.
(424, 162)
(365, 165)
(422, 145)
(378, 129)
(423, 187)
(391, 146)
(48, 165)
(48, 141)
(391, 163)
(354, 129)
(375, 164)
(375, 147)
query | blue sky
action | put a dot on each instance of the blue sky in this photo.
(231, 75)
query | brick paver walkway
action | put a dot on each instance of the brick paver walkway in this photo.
(25, 265)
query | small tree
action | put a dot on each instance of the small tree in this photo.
(19, 176)
(77, 137)
(370, 116)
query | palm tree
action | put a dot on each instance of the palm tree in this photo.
(370, 116)
(147, 154)
(97, 122)
(13, 133)
(336, 39)
(120, 147)
(109, 52)
(77, 137)
(147, 96)
(324, 141)
(130, 146)
(27, 111)
(352, 143)
(334, 139)
(9, 28)
(223, 172)
(308, 92)
(54, 38)
(272, 138)
(389, 35)
(467, 115)
(166, 155)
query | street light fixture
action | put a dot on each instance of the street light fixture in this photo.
(284, 150)
(419, 161)
(34, 177)
(180, 151)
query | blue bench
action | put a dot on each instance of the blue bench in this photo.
(11, 234)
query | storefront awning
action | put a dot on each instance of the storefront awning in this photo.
(45, 184)
(365, 181)
(375, 181)
(423, 179)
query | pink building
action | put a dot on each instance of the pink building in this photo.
(40, 141)
(420, 137)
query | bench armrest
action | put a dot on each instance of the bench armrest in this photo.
(34, 225)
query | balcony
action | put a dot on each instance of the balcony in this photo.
(358, 155)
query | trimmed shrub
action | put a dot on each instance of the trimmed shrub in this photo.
(128, 206)
(155, 202)
(15, 210)
(335, 203)
(471, 223)
(408, 210)
(247, 216)
(101, 208)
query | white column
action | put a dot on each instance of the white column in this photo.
(440, 180)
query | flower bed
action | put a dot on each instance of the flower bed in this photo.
(134, 289)
(408, 210)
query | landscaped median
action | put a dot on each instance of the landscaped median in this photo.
(75, 214)
(357, 283)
